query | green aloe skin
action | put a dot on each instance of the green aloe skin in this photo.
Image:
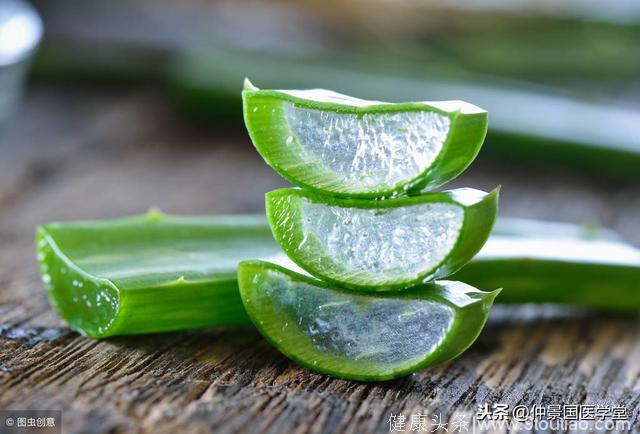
(390, 244)
(358, 336)
(122, 261)
(150, 273)
(343, 146)
(582, 270)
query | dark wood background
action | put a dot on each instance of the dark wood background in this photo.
(75, 153)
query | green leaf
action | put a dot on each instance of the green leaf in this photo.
(150, 273)
(381, 245)
(159, 273)
(595, 272)
(368, 337)
(553, 131)
(333, 143)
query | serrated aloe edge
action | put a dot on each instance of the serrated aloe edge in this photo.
(381, 245)
(343, 146)
(358, 336)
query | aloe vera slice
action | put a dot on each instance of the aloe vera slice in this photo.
(381, 245)
(595, 272)
(333, 143)
(366, 337)
(150, 273)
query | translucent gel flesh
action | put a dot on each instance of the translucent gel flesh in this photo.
(370, 150)
(394, 241)
(379, 330)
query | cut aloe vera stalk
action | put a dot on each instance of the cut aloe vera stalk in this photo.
(597, 273)
(381, 245)
(151, 273)
(359, 336)
(337, 144)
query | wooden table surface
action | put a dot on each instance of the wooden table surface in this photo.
(86, 153)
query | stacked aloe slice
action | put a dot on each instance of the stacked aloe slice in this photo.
(360, 297)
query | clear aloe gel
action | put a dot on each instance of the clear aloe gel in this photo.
(358, 336)
(344, 146)
(381, 245)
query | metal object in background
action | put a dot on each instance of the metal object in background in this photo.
(20, 33)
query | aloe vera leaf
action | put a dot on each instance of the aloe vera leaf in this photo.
(367, 337)
(553, 131)
(337, 144)
(120, 259)
(150, 273)
(381, 245)
(598, 273)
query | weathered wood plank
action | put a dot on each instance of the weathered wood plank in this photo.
(112, 154)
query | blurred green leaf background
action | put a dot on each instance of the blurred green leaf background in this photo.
(559, 78)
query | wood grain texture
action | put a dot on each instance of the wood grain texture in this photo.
(84, 153)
